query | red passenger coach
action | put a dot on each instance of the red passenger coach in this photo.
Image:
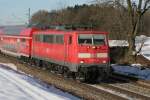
(26, 42)
(16, 40)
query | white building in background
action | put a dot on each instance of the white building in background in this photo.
(118, 43)
(140, 40)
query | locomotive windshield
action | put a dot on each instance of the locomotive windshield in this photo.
(91, 39)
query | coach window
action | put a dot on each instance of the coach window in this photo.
(59, 39)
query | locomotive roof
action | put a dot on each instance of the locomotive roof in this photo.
(22, 30)
(16, 30)
(70, 31)
(12, 29)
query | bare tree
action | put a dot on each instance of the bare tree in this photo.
(41, 18)
(136, 10)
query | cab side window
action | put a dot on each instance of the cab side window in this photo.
(70, 40)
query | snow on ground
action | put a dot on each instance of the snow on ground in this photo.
(10, 65)
(133, 70)
(145, 51)
(15, 86)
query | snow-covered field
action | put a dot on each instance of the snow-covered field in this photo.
(16, 86)
(145, 51)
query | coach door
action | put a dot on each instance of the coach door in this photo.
(68, 44)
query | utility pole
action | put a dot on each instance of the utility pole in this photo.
(29, 16)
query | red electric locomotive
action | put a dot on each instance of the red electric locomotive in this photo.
(80, 53)
(83, 53)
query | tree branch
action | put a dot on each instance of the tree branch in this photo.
(145, 10)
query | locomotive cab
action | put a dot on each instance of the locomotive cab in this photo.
(93, 55)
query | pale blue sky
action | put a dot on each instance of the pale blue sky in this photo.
(15, 11)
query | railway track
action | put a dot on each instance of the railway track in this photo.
(122, 92)
(127, 87)
(130, 79)
(105, 91)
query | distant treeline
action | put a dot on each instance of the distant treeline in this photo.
(108, 18)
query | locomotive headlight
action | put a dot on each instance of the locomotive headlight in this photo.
(84, 55)
(102, 55)
(93, 47)
(104, 61)
(81, 62)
